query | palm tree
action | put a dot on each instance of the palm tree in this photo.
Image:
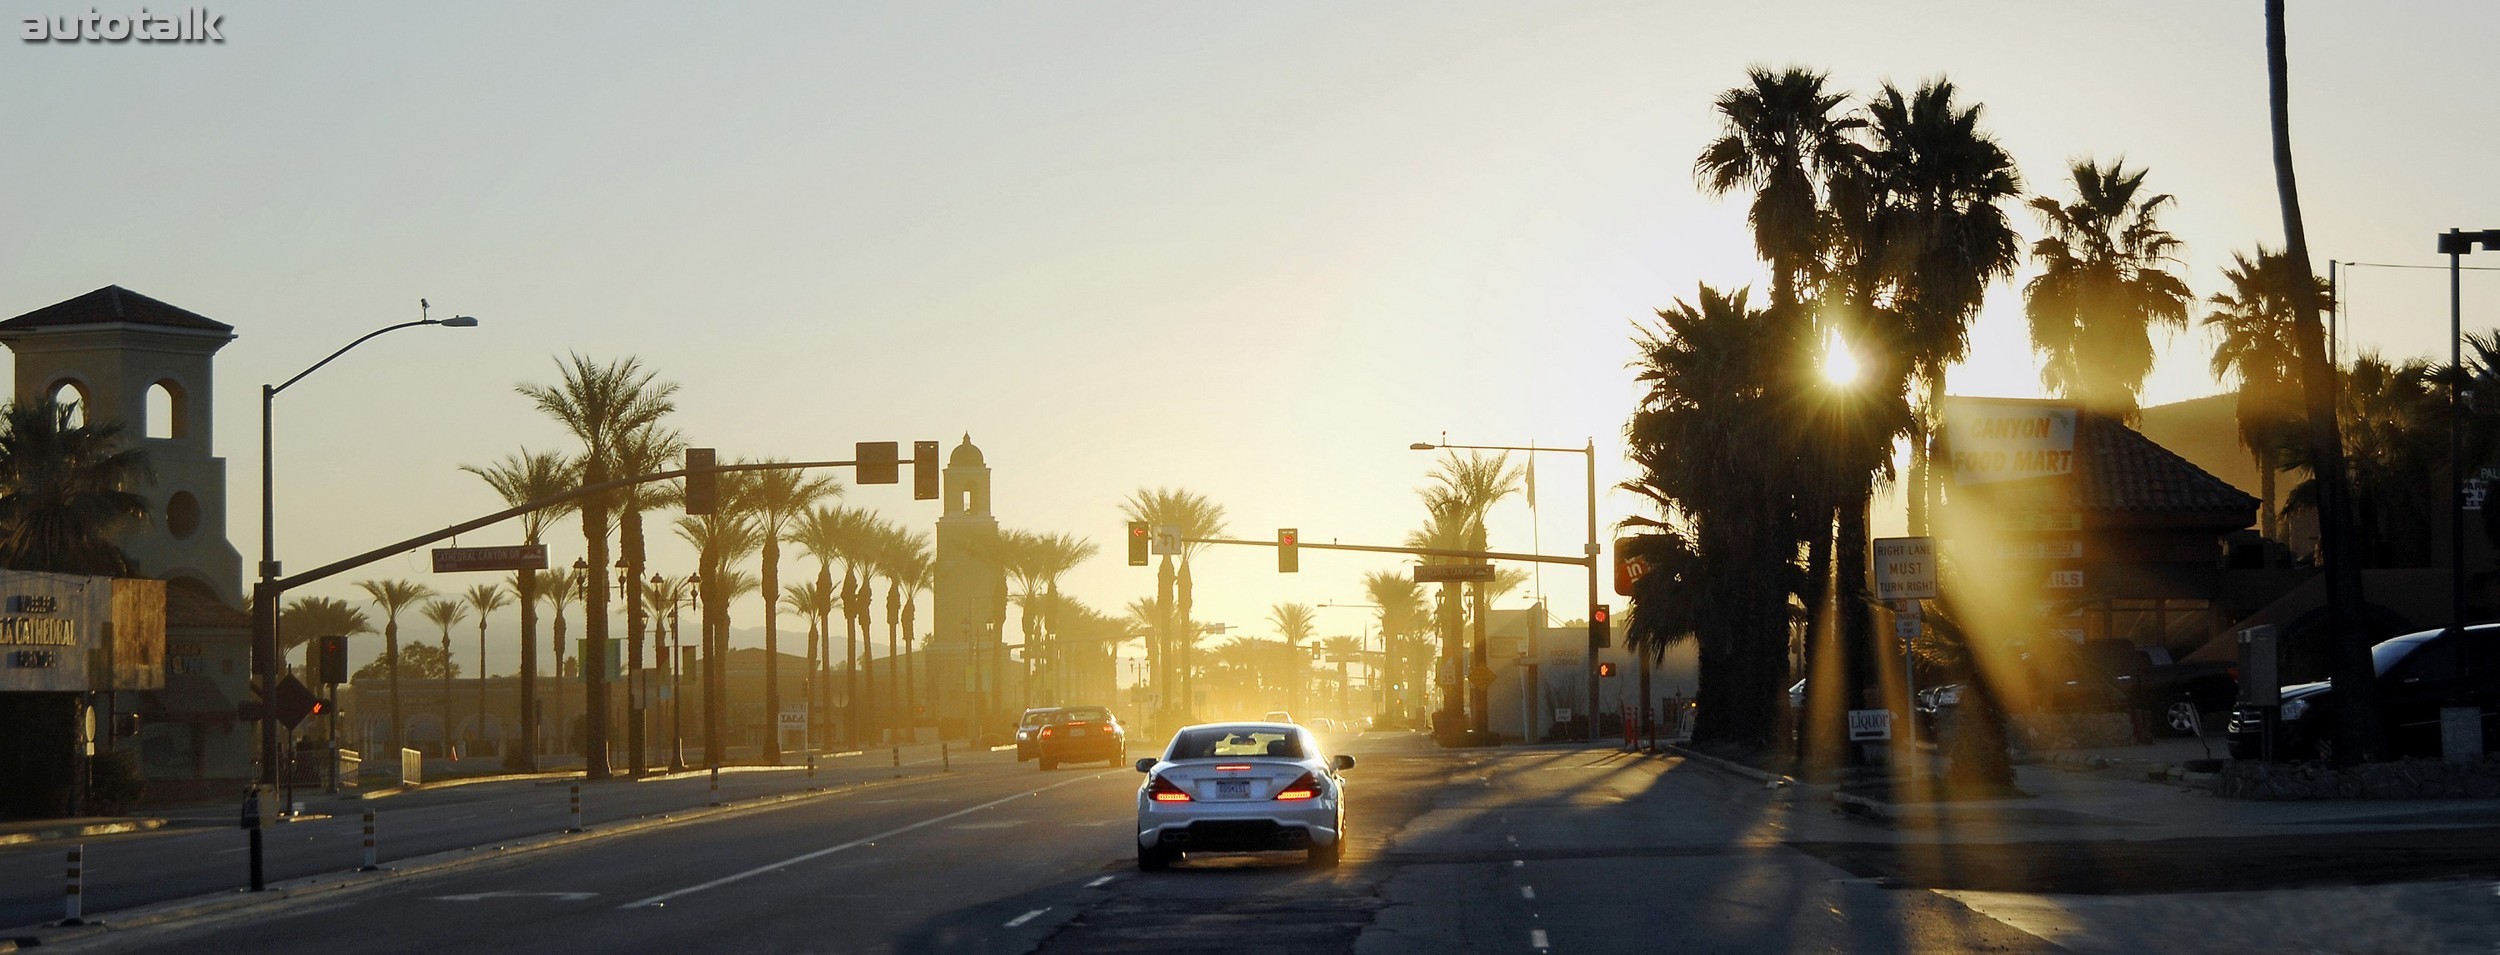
(905, 558)
(806, 601)
(1467, 488)
(778, 498)
(1294, 622)
(446, 614)
(65, 491)
(1779, 134)
(829, 534)
(2253, 323)
(644, 450)
(560, 587)
(2106, 284)
(916, 571)
(1927, 231)
(2358, 734)
(393, 596)
(485, 599)
(2395, 430)
(518, 479)
(1402, 612)
(1341, 650)
(720, 540)
(1197, 517)
(307, 617)
(1712, 370)
(600, 405)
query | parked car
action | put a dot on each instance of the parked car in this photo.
(2417, 674)
(1028, 727)
(1080, 734)
(2180, 695)
(1241, 787)
(1278, 716)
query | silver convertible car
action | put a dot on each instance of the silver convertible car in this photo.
(1241, 787)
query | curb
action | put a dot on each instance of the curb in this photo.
(1768, 779)
(278, 894)
(1875, 810)
(73, 832)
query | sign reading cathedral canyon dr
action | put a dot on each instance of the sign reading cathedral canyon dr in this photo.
(1994, 440)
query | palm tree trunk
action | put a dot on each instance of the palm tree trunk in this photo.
(481, 677)
(900, 680)
(2358, 734)
(1453, 645)
(447, 724)
(564, 730)
(390, 640)
(526, 759)
(770, 578)
(1162, 644)
(851, 709)
(637, 743)
(1188, 632)
(877, 722)
(595, 622)
(2265, 481)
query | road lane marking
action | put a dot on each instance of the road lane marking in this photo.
(1518, 863)
(481, 896)
(1536, 938)
(1018, 921)
(1527, 891)
(458, 818)
(1009, 824)
(853, 844)
(1099, 883)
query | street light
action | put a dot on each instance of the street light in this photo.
(2456, 245)
(1589, 555)
(265, 593)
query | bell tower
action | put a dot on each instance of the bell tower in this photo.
(125, 357)
(969, 599)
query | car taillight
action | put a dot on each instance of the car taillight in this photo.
(1305, 787)
(1050, 731)
(1162, 790)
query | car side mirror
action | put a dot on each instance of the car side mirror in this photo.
(1344, 762)
(1146, 765)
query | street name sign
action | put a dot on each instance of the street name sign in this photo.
(452, 560)
(1905, 568)
(1453, 573)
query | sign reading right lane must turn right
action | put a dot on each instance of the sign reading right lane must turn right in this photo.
(1905, 568)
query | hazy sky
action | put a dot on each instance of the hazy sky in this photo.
(1253, 250)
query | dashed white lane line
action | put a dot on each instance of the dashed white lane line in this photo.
(1536, 938)
(853, 844)
(1099, 883)
(1518, 863)
(1018, 921)
(1527, 891)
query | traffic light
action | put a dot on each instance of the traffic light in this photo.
(1601, 629)
(1137, 543)
(702, 483)
(924, 471)
(1288, 550)
(1605, 669)
(877, 462)
(330, 660)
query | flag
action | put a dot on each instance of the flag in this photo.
(1532, 480)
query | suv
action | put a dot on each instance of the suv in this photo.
(1079, 734)
(2418, 673)
(1027, 728)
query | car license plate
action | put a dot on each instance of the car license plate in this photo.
(1077, 732)
(1232, 789)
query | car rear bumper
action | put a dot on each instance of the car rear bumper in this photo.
(1092, 748)
(1240, 834)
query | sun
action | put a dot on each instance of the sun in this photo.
(1840, 366)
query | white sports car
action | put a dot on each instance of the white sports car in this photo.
(1241, 787)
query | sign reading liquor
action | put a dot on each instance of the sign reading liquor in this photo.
(2000, 439)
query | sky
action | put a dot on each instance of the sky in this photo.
(1253, 251)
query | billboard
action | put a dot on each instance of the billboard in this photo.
(1994, 440)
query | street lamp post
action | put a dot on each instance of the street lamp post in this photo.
(2457, 244)
(266, 593)
(1588, 555)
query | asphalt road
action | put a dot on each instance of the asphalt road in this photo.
(1512, 850)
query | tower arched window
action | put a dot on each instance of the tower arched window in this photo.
(70, 393)
(168, 414)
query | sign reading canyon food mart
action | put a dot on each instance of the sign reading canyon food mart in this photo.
(1994, 440)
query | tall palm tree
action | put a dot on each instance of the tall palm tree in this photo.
(2253, 323)
(2395, 430)
(485, 599)
(1925, 220)
(645, 450)
(518, 479)
(446, 614)
(65, 491)
(1446, 527)
(720, 539)
(1469, 487)
(560, 587)
(779, 498)
(668, 593)
(393, 596)
(308, 617)
(1341, 651)
(2106, 283)
(1779, 133)
(828, 534)
(600, 405)
(807, 601)
(1294, 622)
(1402, 611)
(1197, 517)
(909, 569)
(2359, 736)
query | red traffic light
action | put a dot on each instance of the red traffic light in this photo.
(1602, 613)
(1605, 669)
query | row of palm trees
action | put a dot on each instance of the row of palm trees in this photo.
(1883, 225)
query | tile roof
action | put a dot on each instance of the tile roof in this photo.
(112, 304)
(2119, 469)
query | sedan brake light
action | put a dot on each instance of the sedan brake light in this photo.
(1304, 787)
(1232, 767)
(1162, 790)
(1049, 731)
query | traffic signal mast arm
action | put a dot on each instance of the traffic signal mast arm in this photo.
(1306, 544)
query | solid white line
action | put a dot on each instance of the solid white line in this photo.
(853, 844)
(1019, 921)
(1536, 938)
(1099, 883)
(1527, 891)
